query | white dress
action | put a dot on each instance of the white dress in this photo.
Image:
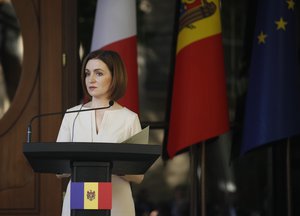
(116, 126)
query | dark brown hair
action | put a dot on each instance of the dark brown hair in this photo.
(115, 65)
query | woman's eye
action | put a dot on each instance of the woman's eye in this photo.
(87, 73)
(99, 74)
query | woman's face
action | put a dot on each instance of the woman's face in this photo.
(97, 78)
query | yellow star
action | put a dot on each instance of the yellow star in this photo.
(262, 37)
(291, 4)
(281, 24)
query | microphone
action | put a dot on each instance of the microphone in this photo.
(29, 129)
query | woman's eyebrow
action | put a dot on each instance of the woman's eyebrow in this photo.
(98, 69)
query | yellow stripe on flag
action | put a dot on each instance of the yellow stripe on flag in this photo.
(201, 28)
(91, 195)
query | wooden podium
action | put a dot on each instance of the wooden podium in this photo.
(91, 162)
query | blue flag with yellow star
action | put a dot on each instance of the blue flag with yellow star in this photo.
(273, 99)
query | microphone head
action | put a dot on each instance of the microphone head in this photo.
(111, 102)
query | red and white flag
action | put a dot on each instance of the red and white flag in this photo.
(115, 29)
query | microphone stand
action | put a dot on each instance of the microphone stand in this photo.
(29, 128)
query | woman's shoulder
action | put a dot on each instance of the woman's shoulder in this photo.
(74, 108)
(129, 112)
(122, 112)
(121, 109)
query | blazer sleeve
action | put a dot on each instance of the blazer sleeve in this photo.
(136, 125)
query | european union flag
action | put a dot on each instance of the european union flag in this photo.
(273, 99)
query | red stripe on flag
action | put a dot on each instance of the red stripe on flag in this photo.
(128, 52)
(105, 195)
(199, 104)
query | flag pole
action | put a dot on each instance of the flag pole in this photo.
(288, 177)
(203, 176)
(198, 193)
(194, 188)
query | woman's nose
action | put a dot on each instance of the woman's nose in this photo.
(92, 78)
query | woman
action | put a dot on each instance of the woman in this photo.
(104, 78)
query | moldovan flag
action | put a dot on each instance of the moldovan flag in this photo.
(91, 195)
(273, 99)
(199, 103)
(115, 29)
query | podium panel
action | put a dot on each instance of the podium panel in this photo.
(91, 162)
(91, 172)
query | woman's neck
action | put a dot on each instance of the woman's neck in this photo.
(99, 102)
